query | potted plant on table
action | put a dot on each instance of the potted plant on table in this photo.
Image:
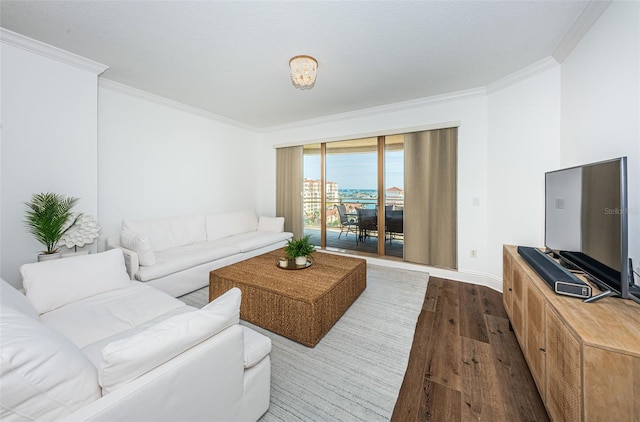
(299, 250)
(48, 218)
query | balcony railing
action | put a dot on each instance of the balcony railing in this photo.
(312, 208)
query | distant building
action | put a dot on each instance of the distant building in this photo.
(312, 200)
(394, 196)
(312, 194)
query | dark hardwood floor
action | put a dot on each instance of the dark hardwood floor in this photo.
(465, 364)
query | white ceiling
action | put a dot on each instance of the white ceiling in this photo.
(231, 57)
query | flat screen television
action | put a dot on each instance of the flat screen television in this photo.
(586, 224)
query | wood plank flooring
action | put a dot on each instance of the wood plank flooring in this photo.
(465, 364)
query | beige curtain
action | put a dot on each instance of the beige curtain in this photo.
(430, 235)
(289, 188)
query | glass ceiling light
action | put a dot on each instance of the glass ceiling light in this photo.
(303, 71)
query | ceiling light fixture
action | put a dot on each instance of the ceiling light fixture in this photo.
(303, 71)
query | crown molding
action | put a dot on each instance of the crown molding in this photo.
(373, 134)
(144, 95)
(585, 21)
(45, 50)
(523, 74)
(388, 108)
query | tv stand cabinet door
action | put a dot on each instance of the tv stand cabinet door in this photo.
(519, 283)
(536, 337)
(564, 374)
(507, 285)
(609, 390)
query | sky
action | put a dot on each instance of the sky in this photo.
(357, 170)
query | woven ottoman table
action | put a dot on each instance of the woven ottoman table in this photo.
(299, 304)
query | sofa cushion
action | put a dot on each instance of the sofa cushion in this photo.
(89, 320)
(177, 259)
(247, 242)
(10, 297)
(52, 284)
(44, 376)
(125, 360)
(271, 224)
(230, 223)
(256, 347)
(140, 244)
(171, 232)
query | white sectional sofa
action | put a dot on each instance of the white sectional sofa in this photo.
(176, 254)
(86, 343)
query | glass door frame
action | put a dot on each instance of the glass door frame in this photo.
(382, 234)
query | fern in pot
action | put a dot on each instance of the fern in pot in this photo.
(299, 250)
(48, 218)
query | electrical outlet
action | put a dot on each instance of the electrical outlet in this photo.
(474, 253)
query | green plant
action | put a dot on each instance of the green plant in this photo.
(48, 218)
(300, 247)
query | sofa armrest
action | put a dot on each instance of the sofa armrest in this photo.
(131, 260)
(171, 390)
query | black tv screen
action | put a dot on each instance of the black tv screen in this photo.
(586, 221)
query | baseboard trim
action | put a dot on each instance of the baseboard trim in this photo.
(472, 277)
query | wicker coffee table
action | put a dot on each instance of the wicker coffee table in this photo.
(301, 305)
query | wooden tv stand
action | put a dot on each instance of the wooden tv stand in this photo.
(584, 357)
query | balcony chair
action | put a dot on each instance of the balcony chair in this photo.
(346, 222)
(394, 221)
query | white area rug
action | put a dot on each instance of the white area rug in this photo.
(355, 372)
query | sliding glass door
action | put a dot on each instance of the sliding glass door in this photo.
(389, 195)
(351, 192)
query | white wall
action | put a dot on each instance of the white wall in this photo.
(601, 101)
(469, 110)
(158, 159)
(508, 139)
(49, 144)
(154, 159)
(524, 143)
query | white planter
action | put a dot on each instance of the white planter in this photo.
(301, 260)
(72, 254)
(48, 256)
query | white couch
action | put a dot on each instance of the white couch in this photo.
(176, 254)
(86, 343)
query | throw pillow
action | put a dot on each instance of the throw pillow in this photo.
(140, 244)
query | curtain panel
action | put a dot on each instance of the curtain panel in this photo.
(289, 185)
(430, 197)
